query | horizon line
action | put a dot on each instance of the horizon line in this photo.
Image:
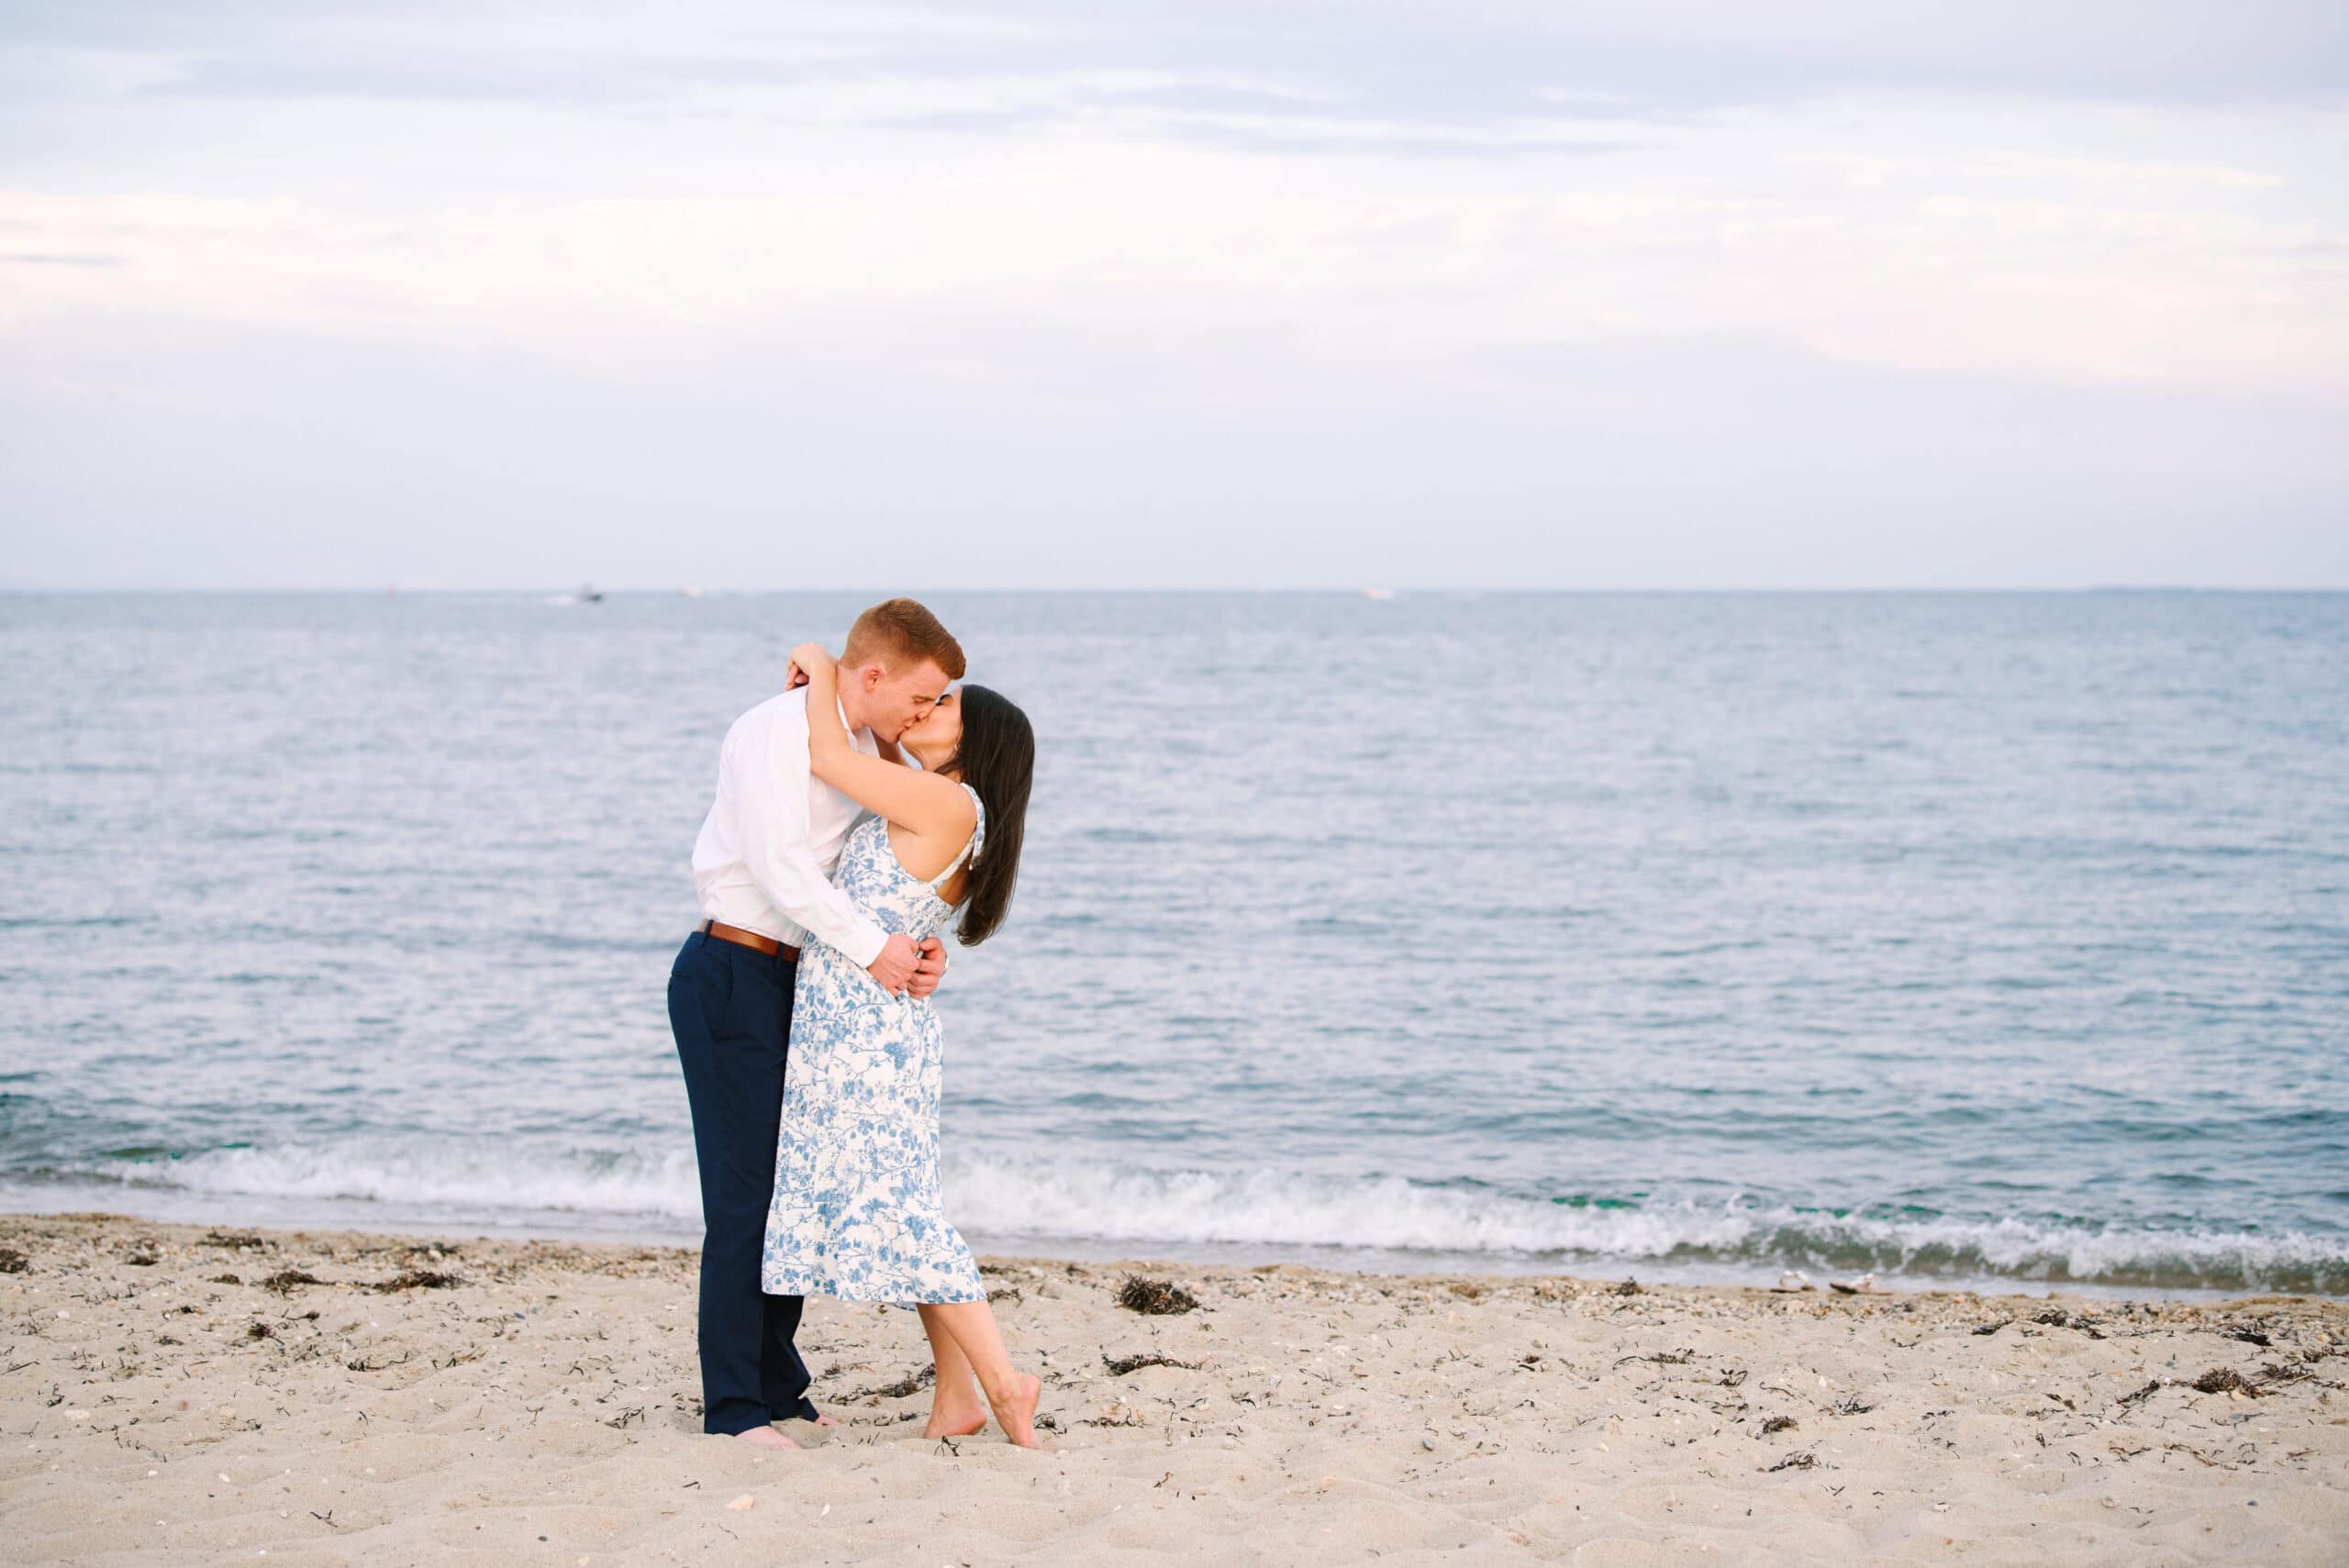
(1349, 590)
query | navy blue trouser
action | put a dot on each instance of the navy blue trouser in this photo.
(730, 1007)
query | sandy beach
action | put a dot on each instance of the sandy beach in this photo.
(176, 1394)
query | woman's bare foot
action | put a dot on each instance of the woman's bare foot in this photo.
(961, 1421)
(765, 1437)
(1016, 1411)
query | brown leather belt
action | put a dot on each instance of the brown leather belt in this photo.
(737, 935)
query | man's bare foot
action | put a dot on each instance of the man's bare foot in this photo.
(956, 1423)
(1016, 1411)
(765, 1437)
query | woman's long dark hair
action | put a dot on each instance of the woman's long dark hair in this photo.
(995, 756)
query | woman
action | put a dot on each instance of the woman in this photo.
(856, 1208)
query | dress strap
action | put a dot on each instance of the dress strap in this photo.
(970, 852)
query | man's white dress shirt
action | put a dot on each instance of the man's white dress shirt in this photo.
(768, 849)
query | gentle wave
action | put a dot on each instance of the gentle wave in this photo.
(1392, 1215)
(451, 1173)
(1391, 1218)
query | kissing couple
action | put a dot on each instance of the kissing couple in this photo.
(857, 813)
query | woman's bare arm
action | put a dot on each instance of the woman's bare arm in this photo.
(921, 803)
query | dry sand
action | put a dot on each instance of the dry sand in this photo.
(543, 1410)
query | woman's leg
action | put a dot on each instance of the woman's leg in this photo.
(1010, 1394)
(955, 1408)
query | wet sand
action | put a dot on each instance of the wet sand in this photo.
(177, 1394)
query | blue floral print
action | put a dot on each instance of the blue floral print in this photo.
(856, 1210)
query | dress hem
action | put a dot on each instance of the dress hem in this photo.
(767, 1287)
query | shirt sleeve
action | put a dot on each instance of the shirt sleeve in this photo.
(774, 783)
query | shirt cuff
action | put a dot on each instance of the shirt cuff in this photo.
(869, 943)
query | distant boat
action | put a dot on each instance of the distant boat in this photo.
(589, 594)
(1378, 593)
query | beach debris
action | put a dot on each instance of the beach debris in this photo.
(416, 1279)
(1855, 1405)
(1793, 1280)
(1155, 1297)
(1117, 1413)
(12, 1261)
(226, 1279)
(237, 1240)
(1467, 1289)
(2054, 1318)
(2249, 1336)
(744, 1504)
(284, 1281)
(1793, 1462)
(257, 1330)
(141, 1258)
(1864, 1285)
(1991, 1328)
(2218, 1380)
(1778, 1424)
(2224, 1380)
(1629, 1287)
(1733, 1377)
(1121, 1365)
(905, 1387)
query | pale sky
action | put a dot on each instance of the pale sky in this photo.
(1203, 294)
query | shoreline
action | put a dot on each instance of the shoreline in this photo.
(197, 1208)
(178, 1393)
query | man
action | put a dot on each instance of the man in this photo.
(763, 870)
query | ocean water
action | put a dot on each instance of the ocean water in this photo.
(1963, 938)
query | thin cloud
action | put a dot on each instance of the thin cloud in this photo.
(35, 260)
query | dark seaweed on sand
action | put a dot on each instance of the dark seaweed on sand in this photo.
(284, 1280)
(1155, 1297)
(419, 1279)
(904, 1388)
(2224, 1380)
(1121, 1365)
(11, 1260)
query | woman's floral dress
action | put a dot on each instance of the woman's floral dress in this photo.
(856, 1210)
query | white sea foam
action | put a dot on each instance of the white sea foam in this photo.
(1104, 1205)
(1389, 1215)
(453, 1173)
